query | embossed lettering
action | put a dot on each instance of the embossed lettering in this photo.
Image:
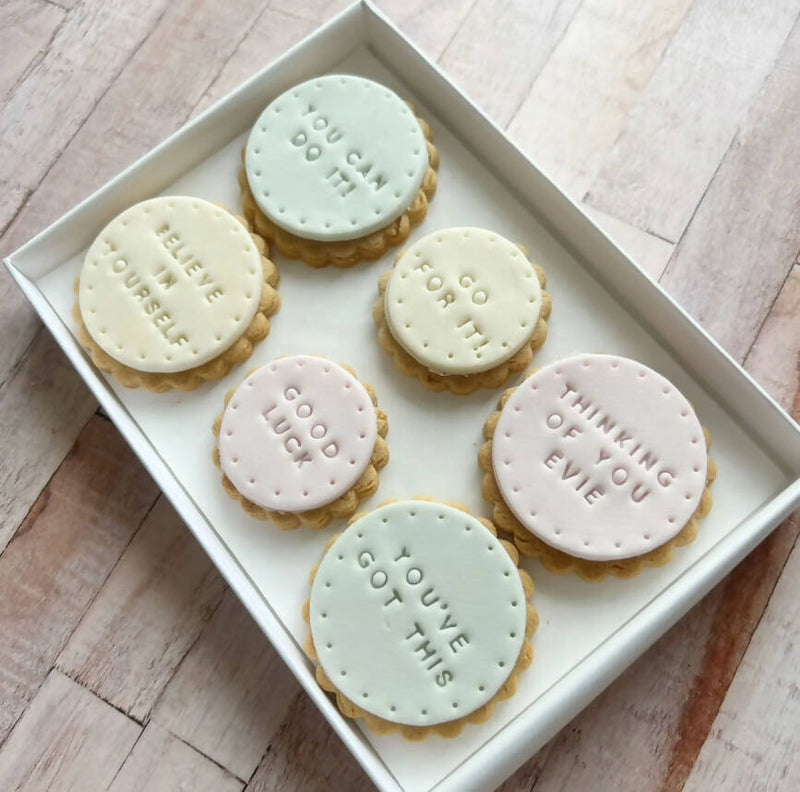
(428, 599)
(443, 678)
(638, 496)
(665, 477)
(378, 579)
(553, 459)
(395, 598)
(403, 554)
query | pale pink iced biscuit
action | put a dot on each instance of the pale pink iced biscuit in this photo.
(598, 457)
(300, 441)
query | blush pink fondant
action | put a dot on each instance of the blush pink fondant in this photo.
(600, 456)
(297, 434)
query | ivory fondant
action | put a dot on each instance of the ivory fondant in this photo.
(297, 434)
(600, 456)
(417, 613)
(463, 300)
(170, 284)
(335, 158)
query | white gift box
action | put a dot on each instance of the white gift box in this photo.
(602, 302)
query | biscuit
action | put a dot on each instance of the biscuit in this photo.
(300, 442)
(419, 619)
(597, 465)
(174, 291)
(336, 170)
(462, 309)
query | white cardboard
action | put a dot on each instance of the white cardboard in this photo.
(588, 633)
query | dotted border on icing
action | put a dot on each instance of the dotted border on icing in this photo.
(380, 214)
(568, 539)
(401, 325)
(315, 376)
(342, 507)
(561, 563)
(349, 253)
(454, 727)
(216, 368)
(102, 335)
(460, 385)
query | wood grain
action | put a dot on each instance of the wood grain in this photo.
(580, 101)
(107, 137)
(26, 27)
(44, 404)
(49, 106)
(270, 35)
(527, 776)
(648, 251)
(677, 117)
(501, 47)
(774, 358)
(230, 694)
(152, 608)
(326, 764)
(628, 732)
(67, 741)
(754, 739)
(735, 745)
(745, 234)
(61, 556)
(744, 595)
(316, 11)
(160, 762)
(676, 135)
(431, 26)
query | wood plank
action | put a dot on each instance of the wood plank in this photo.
(68, 740)
(744, 237)
(67, 5)
(774, 356)
(43, 406)
(688, 114)
(308, 755)
(580, 101)
(527, 776)
(160, 762)
(648, 251)
(431, 26)
(624, 737)
(231, 692)
(501, 48)
(153, 607)
(773, 360)
(26, 27)
(51, 104)
(316, 11)
(754, 741)
(272, 33)
(62, 554)
(645, 730)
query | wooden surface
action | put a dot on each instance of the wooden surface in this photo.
(125, 664)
